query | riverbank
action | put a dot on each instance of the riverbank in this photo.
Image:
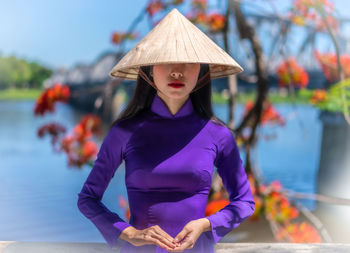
(275, 96)
(19, 94)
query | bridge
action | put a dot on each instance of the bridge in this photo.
(91, 86)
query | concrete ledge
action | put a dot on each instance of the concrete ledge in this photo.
(283, 247)
(57, 247)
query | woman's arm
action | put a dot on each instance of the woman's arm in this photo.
(230, 168)
(89, 202)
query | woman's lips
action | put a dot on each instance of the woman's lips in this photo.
(176, 84)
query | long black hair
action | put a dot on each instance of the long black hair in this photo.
(144, 93)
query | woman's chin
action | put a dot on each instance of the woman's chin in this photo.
(178, 94)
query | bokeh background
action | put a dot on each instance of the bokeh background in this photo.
(57, 102)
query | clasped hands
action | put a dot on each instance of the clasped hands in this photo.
(186, 239)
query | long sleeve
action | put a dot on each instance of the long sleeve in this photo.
(230, 169)
(89, 202)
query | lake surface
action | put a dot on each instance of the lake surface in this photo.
(38, 191)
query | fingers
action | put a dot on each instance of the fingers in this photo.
(159, 243)
(162, 237)
(181, 235)
(187, 243)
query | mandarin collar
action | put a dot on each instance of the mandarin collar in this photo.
(159, 107)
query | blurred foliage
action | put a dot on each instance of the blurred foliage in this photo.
(20, 94)
(330, 100)
(20, 73)
(279, 96)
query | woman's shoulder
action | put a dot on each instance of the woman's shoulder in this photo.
(219, 129)
(127, 126)
(224, 137)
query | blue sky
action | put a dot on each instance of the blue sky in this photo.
(68, 32)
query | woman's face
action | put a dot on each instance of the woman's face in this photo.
(186, 73)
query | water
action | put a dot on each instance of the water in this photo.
(38, 192)
(291, 154)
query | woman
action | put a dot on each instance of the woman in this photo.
(170, 141)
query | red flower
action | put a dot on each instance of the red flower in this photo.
(80, 133)
(89, 149)
(328, 62)
(78, 146)
(47, 100)
(67, 143)
(215, 205)
(310, 11)
(197, 17)
(318, 96)
(289, 72)
(154, 6)
(54, 130)
(216, 21)
(122, 202)
(91, 123)
(299, 233)
(276, 185)
(119, 37)
(272, 203)
(269, 115)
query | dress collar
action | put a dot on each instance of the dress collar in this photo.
(159, 107)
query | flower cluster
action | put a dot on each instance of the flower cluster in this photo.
(328, 62)
(218, 198)
(123, 203)
(155, 6)
(277, 206)
(119, 37)
(310, 11)
(269, 115)
(214, 21)
(272, 202)
(334, 99)
(77, 145)
(215, 205)
(299, 233)
(290, 72)
(318, 96)
(54, 130)
(269, 201)
(46, 101)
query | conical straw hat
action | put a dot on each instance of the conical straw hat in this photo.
(175, 40)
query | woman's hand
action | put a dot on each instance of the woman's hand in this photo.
(152, 235)
(190, 233)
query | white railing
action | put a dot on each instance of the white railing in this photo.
(76, 247)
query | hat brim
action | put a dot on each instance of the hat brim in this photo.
(216, 70)
(176, 40)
